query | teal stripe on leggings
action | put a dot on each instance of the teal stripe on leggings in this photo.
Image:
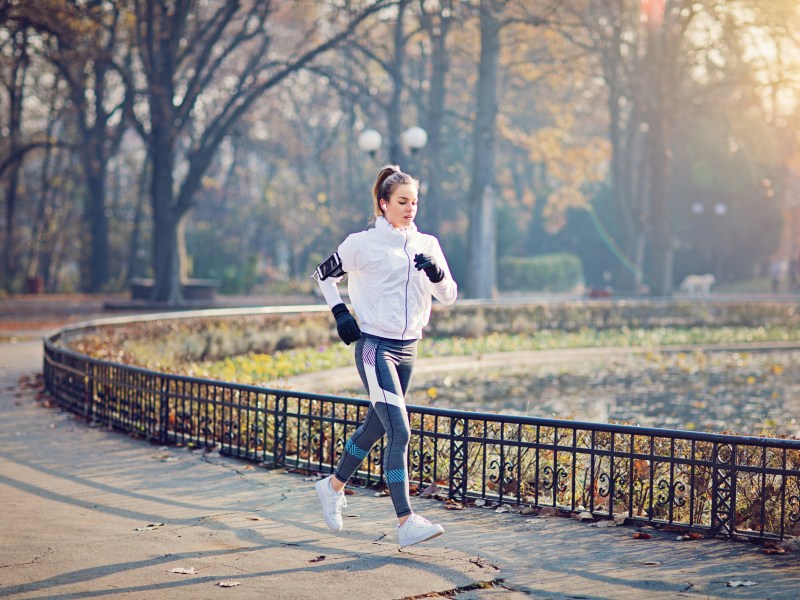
(351, 448)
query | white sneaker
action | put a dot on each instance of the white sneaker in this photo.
(417, 529)
(332, 503)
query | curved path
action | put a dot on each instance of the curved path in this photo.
(348, 377)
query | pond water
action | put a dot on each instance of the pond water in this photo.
(755, 393)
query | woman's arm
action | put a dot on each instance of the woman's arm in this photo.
(446, 290)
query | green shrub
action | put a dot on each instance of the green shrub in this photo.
(546, 272)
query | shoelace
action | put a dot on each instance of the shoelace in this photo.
(338, 504)
(418, 520)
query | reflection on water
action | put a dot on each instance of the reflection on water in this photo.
(745, 393)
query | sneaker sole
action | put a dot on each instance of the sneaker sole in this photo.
(334, 526)
(430, 537)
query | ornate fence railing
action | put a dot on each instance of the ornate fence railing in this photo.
(727, 485)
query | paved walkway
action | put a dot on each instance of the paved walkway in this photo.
(91, 513)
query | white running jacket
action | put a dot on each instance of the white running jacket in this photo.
(389, 296)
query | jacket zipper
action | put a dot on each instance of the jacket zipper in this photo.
(408, 280)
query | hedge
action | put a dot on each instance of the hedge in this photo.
(547, 272)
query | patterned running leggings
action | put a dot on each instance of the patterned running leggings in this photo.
(385, 367)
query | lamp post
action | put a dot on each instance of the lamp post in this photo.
(369, 141)
(415, 138)
(719, 209)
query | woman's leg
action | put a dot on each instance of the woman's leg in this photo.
(385, 367)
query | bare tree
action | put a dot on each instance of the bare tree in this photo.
(482, 243)
(15, 86)
(205, 66)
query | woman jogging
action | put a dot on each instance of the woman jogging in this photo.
(393, 270)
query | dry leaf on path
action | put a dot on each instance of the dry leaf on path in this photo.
(150, 527)
(229, 583)
(183, 570)
(604, 524)
(453, 505)
(641, 536)
(429, 491)
(772, 548)
(320, 558)
(740, 583)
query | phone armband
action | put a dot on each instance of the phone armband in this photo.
(330, 267)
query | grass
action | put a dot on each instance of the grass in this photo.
(262, 369)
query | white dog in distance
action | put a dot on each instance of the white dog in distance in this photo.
(698, 286)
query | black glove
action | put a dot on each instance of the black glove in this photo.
(345, 324)
(428, 264)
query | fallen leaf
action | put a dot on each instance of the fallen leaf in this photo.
(229, 583)
(689, 536)
(740, 583)
(150, 527)
(651, 563)
(604, 524)
(619, 519)
(641, 536)
(480, 502)
(502, 509)
(775, 550)
(429, 491)
(183, 570)
(320, 558)
(549, 511)
(453, 505)
(255, 518)
(528, 510)
(585, 516)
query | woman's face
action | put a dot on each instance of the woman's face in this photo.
(401, 208)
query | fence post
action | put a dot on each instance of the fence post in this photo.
(279, 433)
(163, 410)
(88, 384)
(459, 431)
(723, 490)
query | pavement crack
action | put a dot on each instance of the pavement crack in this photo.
(453, 593)
(483, 565)
(35, 560)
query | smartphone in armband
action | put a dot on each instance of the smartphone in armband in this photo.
(330, 267)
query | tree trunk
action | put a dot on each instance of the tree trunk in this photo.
(134, 263)
(481, 271)
(166, 255)
(9, 264)
(16, 88)
(394, 121)
(433, 203)
(98, 220)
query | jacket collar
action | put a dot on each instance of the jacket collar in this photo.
(382, 225)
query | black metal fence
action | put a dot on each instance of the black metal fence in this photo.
(720, 484)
